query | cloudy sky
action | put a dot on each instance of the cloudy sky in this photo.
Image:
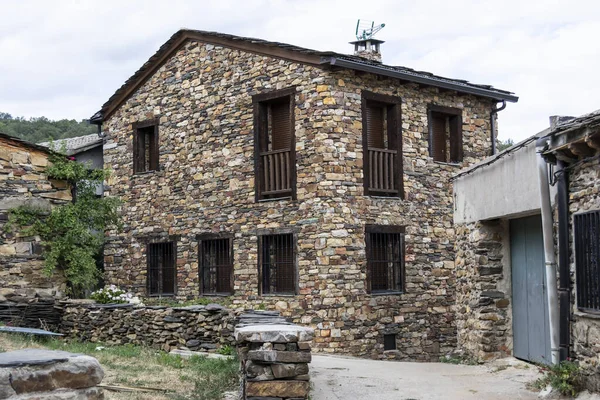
(63, 59)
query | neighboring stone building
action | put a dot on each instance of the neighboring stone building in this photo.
(503, 300)
(23, 182)
(295, 180)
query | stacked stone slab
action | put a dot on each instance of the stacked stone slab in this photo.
(274, 357)
(34, 374)
(200, 327)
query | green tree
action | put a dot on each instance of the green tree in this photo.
(503, 145)
(42, 129)
(72, 234)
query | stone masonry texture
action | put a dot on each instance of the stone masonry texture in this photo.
(23, 182)
(201, 97)
(482, 303)
(584, 195)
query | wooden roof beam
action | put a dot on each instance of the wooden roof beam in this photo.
(581, 149)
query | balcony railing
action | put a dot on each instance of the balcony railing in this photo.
(276, 172)
(382, 164)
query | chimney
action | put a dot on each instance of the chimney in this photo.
(368, 48)
(556, 120)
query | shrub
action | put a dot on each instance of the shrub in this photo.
(565, 377)
(113, 295)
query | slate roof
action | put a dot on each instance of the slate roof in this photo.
(587, 120)
(327, 58)
(77, 144)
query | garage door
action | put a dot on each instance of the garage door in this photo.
(531, 336)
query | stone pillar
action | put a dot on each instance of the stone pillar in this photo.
(274, 357)
(34, 374)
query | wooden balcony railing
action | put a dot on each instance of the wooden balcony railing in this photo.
(382, 164)
(276, 172)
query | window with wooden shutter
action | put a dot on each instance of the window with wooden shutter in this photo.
(385, 258)
(445, 134)
(275, 155)
(277, 263)
(216, 265)
(382, 145)
(161, 273)
(145, 146)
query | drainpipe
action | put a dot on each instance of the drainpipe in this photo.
(564, 287)
(493, 115)
(550, 260)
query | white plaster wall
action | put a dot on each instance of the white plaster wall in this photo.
(507, 187)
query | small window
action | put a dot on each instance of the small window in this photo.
(382, 145)
(275, 144)
(587, 260)
(145, 147)
(389, 342)
(161, 268)
(445, 134)
(278, 264)
(216, 267)
(385, 258)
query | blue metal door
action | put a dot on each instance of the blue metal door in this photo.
(531, 334)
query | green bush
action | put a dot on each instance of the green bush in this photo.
(565, 377)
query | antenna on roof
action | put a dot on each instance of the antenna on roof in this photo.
(367, 29)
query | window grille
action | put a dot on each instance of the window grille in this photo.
(161, 268)
(216, 267)
(385, 258)
(278, 264)
(587, 260)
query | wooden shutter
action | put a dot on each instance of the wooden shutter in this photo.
(438, 136)
(456, 141)
(139, 143)
(153, 148)
(281, 129)
(374, 126)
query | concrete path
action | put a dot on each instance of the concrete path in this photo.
(354, 378)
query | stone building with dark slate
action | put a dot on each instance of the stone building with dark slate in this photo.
(312, 183)
(23, 182)
(528, 250)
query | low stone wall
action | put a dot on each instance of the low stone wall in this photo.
(198, 327)
(34, 374)
(30, 308)
(482, 291)
(274, 357)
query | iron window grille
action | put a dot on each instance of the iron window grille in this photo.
(385, 258)
(587, 260)
(278, 264)
(161, 278)
(216, 266)
(145, 146)
(382, 145)
(445, 134)
(275, 144)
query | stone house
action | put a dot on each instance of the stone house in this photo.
(313, 183)
(23, 182)
(528, 250)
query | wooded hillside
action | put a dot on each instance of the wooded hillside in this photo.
(42, 129)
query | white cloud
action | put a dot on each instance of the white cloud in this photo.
(65, 58)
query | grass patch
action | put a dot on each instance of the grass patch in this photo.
(197, 378)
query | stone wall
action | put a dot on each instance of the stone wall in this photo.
(23, 182)
(202, 99)
(274, 357)
(204, 328)
(585, 328)
(483, 290)
(34, 374)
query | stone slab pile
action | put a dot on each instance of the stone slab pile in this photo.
(274, 357)
(198, 327)
(34, 374)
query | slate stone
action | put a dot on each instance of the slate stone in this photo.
(279, 356)
(273, 333)
(282, 389)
